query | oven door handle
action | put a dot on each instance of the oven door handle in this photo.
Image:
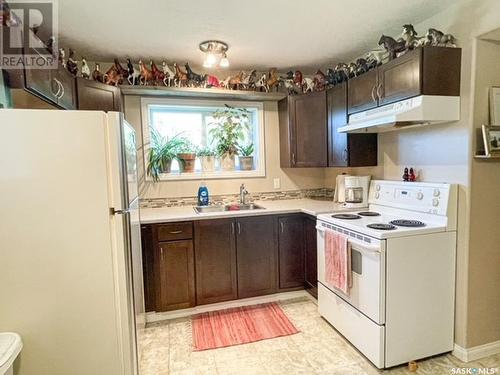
(361, 246)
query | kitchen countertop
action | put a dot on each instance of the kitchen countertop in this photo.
(285, 206)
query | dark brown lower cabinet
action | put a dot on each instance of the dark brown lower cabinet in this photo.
(256, 256)
(215, 248)
(311, 255)
(291, 251)
(175, 275)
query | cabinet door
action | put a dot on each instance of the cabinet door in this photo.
(42, 83)
(256, 255)
(67, 96)
(337, 117)
(175, 281)
(311, 256)
(291, 251)
(309, 130)
(362, 93)
(148, 267)
(97, 96)
(400, 78)
(215, 253)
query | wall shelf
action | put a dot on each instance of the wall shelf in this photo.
(201, 93)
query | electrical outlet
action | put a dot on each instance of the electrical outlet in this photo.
(277, 183)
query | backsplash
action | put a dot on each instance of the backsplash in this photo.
(319, 194)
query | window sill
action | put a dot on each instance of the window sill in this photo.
(218, 175)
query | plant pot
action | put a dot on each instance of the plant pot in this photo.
(246, 163)
(227, 162)
(167, 167)
(207, 163)
(187, 161)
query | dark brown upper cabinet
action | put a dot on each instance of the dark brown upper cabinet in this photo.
(423, 71)
(215, 261)
(303, 133)
(291, 251)
(346, 150)
(97, 96)
(256, 256)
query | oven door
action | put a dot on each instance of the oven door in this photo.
(368, 271)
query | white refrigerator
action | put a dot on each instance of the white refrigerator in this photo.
(70, 249)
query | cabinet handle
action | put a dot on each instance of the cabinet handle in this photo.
(379, 90)
(293, 158)
(56, 94)
(344, 154)
(373, 93)
(161, 253)
(232, 228)
(176, 232)
(282, 227)
(239, 228)
(62, 90)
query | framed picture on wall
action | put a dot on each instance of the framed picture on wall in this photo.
(495, 105)
(491, 139)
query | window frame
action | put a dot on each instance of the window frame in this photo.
(260, 155)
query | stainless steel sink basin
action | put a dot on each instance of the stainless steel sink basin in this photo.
(227, 207)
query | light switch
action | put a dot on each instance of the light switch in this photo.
(277, 183)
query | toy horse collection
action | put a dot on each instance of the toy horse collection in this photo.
(292, 82)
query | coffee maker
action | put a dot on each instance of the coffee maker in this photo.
(352, 191)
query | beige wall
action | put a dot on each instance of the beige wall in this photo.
(290, 179)
(484, 247)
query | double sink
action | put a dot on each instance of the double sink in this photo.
(227, 207)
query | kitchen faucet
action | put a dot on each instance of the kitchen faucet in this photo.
(243, 193)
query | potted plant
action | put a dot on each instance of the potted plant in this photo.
(161, 153)
(186, 155)
(228, 129)
(207, 159)
(245, 154)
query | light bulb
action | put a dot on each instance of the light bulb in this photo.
(206, 64)
(211, 59)
(224, 62)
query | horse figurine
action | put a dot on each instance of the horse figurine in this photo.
(146, 75)
(169, 74)
(392, 46)
(72, 64)
(113, 76)
(248, 80)
(133, 74)
(352, 68)
(409, 36)
(96, 74)
(261, 83)
(376, 57)
(85, 69)
(289, 83)
(362, 66)
(235, 82)
(181, 78)
(225, 83)
(121, 69)
(212, 81)
(158, 75)
(298, 80)
(194, 78)
(319, 80)
(61, 57)
(273, 80)
(440, 39)
(308, 84)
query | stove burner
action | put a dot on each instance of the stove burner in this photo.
(381, 226)
(408, 223)
(368, 213)
(346, 216)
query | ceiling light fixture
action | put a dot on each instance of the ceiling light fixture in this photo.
(216, 53)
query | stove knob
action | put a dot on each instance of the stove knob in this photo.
(377, 195)
(377, 187)
(436, 192)
(435, 202)
(420, 196)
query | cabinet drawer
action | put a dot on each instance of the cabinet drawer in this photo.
(175, 231)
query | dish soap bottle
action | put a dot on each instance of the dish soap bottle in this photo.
(203, 195)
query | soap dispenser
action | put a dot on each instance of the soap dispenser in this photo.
(203, 198)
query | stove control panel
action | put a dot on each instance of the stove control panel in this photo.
(417, 196)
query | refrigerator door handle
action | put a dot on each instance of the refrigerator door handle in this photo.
(114, 211)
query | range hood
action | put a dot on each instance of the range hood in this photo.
(417, 111)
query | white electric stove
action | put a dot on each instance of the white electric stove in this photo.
(401, 304)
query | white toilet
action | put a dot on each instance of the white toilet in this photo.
(10, 347)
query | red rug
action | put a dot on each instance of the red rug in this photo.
(217, 329)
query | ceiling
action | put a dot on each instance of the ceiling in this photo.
(260, 33)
